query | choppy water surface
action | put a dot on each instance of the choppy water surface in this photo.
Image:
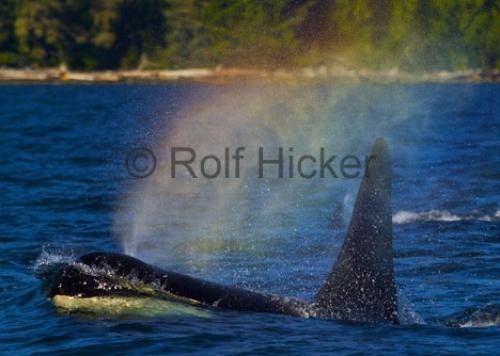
(66, 191)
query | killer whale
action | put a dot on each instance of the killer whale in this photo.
(360, 287)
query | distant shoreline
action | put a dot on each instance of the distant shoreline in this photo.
(230, 75)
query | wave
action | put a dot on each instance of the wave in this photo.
(475, 317)
(408, 217)
(49, 262)
(47, 259)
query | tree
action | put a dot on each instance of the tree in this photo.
(251, 32)
(480, 25)
(8, 44)
(125, 31)
(140, 29)
(238, 32)
(186, 41)
(38, 30)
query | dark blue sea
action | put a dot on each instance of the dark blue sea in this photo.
(66, 190)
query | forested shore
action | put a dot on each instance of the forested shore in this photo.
(345, 40)
(283, 36)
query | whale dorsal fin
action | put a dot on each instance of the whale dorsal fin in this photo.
(361, 285)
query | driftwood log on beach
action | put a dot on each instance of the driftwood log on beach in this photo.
(223, 75)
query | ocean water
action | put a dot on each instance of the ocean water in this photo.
(65, 190)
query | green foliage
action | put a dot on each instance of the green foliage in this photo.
(244, 32)
(100, 34)
(250, 32)
(86, 34)
(8, 45)
(186, 41)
